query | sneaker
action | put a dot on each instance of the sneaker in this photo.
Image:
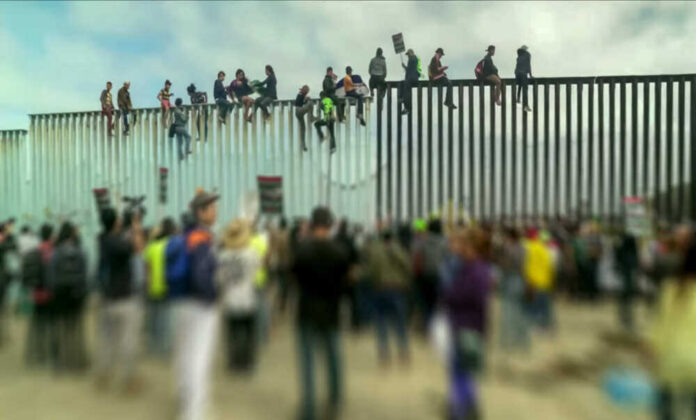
(332, 150)
(313, 119)
(321, 136)
(362, 121)
(222, 120)
(304, 147)
(527, 109)
(450, 105)
(405, 112)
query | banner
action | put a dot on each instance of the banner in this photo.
(271, 194)
(637, 220)
(399, 45)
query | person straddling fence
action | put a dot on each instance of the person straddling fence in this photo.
(183, 138)
(198, 99)
(302, 108)
(165, 105)
(490, 73)
(523, 72)
(411, 79)
(108, 108)
(351, 92)
(436, 72)
(240, 90)
(328, 86)
(220, 95)
(378, 75)
(269, 93)
(327, 106)
(125, 106)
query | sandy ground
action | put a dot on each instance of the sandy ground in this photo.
(560, 379)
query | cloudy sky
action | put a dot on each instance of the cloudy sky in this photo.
(55, 57)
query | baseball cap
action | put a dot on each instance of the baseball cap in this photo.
(440, 51)
(203, 199)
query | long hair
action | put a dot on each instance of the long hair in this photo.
(66, 233)
(270, 69)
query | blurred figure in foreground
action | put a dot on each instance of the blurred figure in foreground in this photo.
(466, 295)
(238, 263)
(390, 270)
(34, 272)
(514, 327)
(197, 316)
(539, 274)
(429, 251)
(67, 284)
(120, 311)
(627, 266)
(672, 340)
(157, 318)
(320, 267)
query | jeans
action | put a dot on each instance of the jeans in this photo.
(390, 309)
(406, 93)
(444, 81)
(330, 124)
(157, 325)
(300, 113)
(354, 94)
(310, 338)
(241, 341)
(514, 328)
(665, 406)
(263, 103)
(224, 106)
(377, 82)
(124, 115)
(181, 137)
(196, 326)
(541, 310)
(522, 83)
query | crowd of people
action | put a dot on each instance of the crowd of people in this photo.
(183, 280)
(333, 95)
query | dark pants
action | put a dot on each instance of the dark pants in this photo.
(183, 140)
(224, 106)
(340, 106)
(406, 89)
(540, 310)
(626, 299)
(202, 113)
(109, 112)
(522, 83)
(124, 116)
(377, 82)
(241, 341)
(263, 103)
(665, 406)
(70, 351)
(157, 326)
(330, 124)
(354, 94)
(309, 339)
(426, 288)
(39, 336)
(444, 81)
(390, 310)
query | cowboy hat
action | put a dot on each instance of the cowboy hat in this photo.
(237, 234)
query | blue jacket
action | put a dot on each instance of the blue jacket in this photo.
(219, 90)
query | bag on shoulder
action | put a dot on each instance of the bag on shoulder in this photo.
(478, 70)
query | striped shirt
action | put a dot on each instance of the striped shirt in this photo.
(165, 94)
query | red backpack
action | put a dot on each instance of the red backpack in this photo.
(478, 71)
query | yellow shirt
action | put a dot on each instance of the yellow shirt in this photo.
(154, 256)
(538, 266)
(673, 336)
(348, 84)
(259, 243)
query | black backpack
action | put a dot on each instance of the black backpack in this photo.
(69, 277)
(32, 269)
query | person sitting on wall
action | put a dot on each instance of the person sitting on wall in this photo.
(436, 72)
(349, 85)
(240, 90)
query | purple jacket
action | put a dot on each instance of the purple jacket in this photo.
(466, 295)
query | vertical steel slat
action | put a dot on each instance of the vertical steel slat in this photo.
(491, 158)
(429, 183)
(440, 151)
(557, 149)
(390, 152)
(579, 157)
(646, 141)
(399, 166)
(634, 138)
(378, 167)
(569, 151)
(622, 146)
(590, 151)
(601, 202)
(482, 155)
(546, 186)
(669, 122)
(535, 152)
(410, 209)
(471, 200)
(421, 188)
(462, 166)
(681, 157)
(692, 149)
(658, 149)
(514, 147)
(525, 169)
(503, 155)
(612, 149)
(450, 156)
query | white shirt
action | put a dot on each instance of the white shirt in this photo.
(235, 276)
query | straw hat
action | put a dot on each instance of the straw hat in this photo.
(237, 234)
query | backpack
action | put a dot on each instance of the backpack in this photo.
(177, 266)
(32, 269)
(478, 70)
(69, 277)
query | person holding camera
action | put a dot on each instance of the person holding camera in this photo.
(120, 312)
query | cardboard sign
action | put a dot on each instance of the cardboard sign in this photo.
(399, 45)
(271, 194)
(637, 220)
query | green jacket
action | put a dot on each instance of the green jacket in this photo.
(327, 106)
(388, 265)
